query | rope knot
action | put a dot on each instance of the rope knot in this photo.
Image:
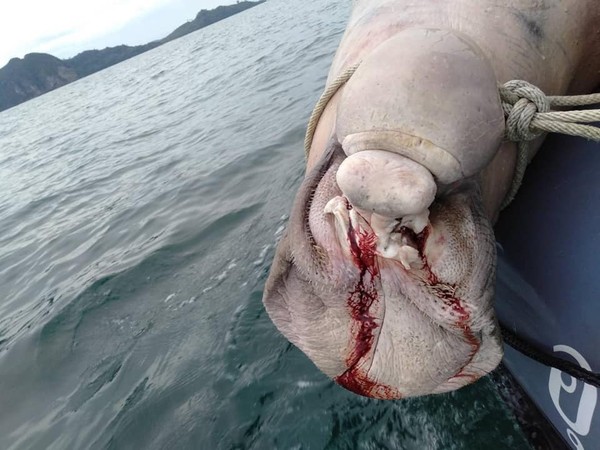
(521, 101)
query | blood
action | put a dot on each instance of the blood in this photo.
(353, 380)
(462, 323)
(446, 293)
(361, 299)
(364, 296)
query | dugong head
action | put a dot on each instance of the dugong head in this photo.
(384, 277)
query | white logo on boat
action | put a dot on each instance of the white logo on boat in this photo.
(587, 404)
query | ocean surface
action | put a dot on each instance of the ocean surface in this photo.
(139, 210)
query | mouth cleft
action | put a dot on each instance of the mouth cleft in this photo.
(402, 239)
(379, 266)
(412, 238)
(318, 185)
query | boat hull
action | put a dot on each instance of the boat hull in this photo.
(548, 284)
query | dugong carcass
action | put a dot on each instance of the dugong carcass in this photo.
(385, 275)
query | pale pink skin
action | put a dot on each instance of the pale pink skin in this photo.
(378, 328)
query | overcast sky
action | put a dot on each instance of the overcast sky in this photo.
(64, 28)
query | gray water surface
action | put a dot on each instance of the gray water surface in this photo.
(139, 209)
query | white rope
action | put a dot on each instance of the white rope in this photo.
(528, 115)
(322, 103)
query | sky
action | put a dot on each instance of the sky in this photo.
(64, 28)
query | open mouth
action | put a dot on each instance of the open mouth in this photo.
(335, 227)
(387, 305)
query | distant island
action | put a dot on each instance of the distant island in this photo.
(38, 73)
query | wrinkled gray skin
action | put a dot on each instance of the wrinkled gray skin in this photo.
(419, 319)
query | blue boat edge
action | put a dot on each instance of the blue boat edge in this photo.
(547, 290)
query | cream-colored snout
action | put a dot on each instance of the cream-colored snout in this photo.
(386, 183)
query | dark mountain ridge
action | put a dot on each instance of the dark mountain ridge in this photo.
(38, 73)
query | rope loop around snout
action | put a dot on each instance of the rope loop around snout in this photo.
(327, 94)
(527, 112)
